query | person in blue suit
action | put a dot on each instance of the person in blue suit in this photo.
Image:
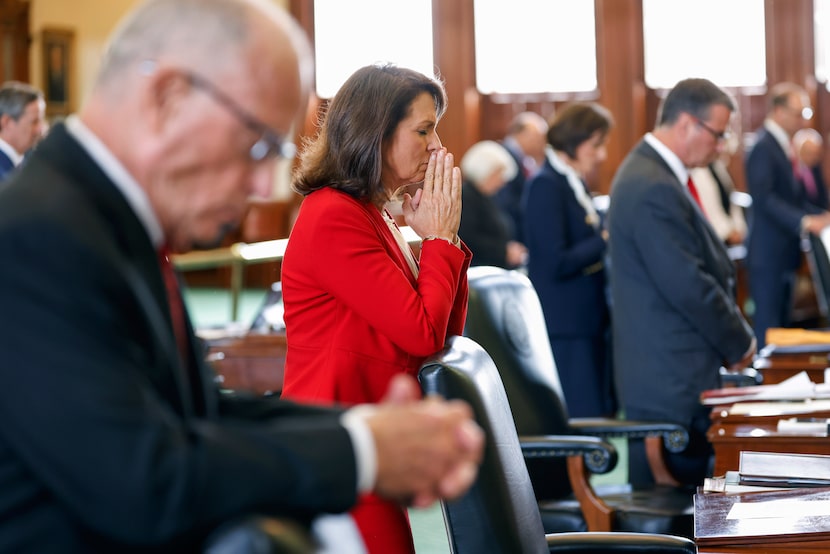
(781, 212)
(526, 142)
(672, 282)
(22, 123)
(566, 247)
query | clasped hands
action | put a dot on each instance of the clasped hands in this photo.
(426, 449)
(435, 209)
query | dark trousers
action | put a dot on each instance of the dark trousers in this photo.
(689, 467)
(772, 294)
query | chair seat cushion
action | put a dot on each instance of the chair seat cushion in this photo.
(664, 510)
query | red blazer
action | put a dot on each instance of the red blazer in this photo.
(356, 316)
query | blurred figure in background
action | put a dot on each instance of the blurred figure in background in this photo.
(566, 247)
(485, 168)
(22, 123)
(526, 142)
(809, 151)
(781, 212)
(715, 187)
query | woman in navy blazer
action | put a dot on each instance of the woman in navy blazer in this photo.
(566, 246)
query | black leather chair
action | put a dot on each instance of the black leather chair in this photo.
(499, 514)
(819, 263)
(505, 317)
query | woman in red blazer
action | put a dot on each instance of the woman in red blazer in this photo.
(359, 307)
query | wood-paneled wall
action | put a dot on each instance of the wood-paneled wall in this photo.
(621, 85)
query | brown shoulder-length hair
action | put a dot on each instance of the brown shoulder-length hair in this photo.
(346, 154)
(576, 123)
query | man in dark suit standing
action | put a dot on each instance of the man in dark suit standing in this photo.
(114, 437)
(781, 211)
(526, 140)
(22, 123)
(675, 321)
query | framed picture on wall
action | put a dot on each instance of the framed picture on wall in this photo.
(57, 46)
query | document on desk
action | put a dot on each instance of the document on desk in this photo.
(797, 387)
(772, 408)
(779, 509)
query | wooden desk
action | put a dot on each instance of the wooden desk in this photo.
(729, 440)
(714, 533)
(253, 363)
(777, 368)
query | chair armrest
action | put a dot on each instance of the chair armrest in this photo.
(260, 535)
(599, 456)
(585, 456)
(639, 543)
(675, 437)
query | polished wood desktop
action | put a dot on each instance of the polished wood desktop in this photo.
(728, 440)
(777, 368)
(792, 533)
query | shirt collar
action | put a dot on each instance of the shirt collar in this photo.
(9, 150)
(780, 136)
(677, 167)
(118, 174)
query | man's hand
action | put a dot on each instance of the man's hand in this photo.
(746, 361)
(426, 449)
(816, 223)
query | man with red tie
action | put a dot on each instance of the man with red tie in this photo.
(674, 317)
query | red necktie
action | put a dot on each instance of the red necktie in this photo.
(174, 299)
(693, 191)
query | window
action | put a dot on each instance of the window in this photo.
(535, 46)
(720, 41)
(353, 34)
(821, 19)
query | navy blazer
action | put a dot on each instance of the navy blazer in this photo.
(778, 203)
(509, 197)
(675, 320)
(106, 443)
(565, 257)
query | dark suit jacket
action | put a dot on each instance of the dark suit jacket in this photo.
(509, 197)
(565, 255)
(6, 165)
(674, 317)
(483, 228)
(104, 447)
(778, 204)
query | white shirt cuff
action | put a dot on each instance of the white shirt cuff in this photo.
(365, 453)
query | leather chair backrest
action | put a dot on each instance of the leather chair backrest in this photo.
(505, 317)
(499, 513)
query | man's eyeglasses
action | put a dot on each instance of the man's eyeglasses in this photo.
(270, 143)
(719, 135)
